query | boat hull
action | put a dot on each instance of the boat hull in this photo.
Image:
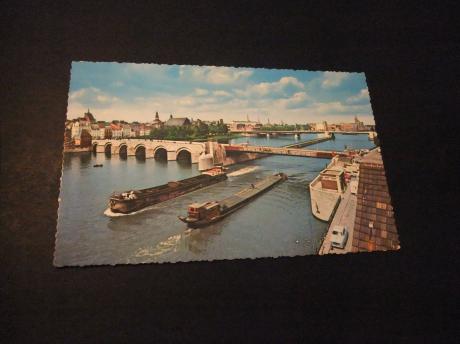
(162, 194)
(228, 206)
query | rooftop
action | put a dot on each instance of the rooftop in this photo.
(375, 227)
(373, 157)
(332, 172)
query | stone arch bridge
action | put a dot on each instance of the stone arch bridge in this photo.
(171, 150)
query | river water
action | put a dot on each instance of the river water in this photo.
(278, 223)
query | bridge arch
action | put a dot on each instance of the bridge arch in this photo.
(140, 151)
(160, 153)
(108, 148)
(123, 150)
(184, 155)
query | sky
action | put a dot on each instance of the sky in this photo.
(134, 92)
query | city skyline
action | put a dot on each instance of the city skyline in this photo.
(134, 92)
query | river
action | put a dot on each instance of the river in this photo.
(278, 223)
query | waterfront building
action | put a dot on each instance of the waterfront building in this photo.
(84, 139)
(95, 132)
(322, 126)
(348, 127)
(117, 130)
(356, 125)
(126, 130)
(374, 228)
(107, 131)
(177, 122)
(247, 126)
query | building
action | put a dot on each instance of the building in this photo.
(84, 139)
(348, 127)
(107, 131)
(117, 130)
(321, 126)
(88, 116)
(374, 228)
(126, 130)
(246, 126)
(95, 131)
(156, 123)
(177, 122)
(357, 125)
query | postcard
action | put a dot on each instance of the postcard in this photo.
(179, 163)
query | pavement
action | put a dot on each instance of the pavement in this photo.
(344, 216)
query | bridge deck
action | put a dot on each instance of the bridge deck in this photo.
(308, 153)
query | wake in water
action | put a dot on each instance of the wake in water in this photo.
(243, 170)
(110, 213)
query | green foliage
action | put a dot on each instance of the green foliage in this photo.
(199, 130)
(285, 127)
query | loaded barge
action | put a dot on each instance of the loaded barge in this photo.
(203, 214)
(134, 200)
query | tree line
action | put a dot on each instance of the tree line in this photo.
(198, 130)
(285, 127)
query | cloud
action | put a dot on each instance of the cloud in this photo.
(92, 96)
(214, 75)
(297, 100)
(286, 85)
(333, 79)
(361, 97)
(221, 93)
(201, 92)
(118, 83)
(186, 101)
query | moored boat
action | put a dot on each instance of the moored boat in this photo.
(328, 187)
(203, 214)
(134, 200)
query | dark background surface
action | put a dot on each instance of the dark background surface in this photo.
(408, 56)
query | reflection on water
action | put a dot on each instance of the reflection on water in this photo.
(278, 223)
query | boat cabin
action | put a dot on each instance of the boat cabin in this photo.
(332, 179)
(207, 210)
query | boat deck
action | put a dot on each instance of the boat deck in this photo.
(250, 191)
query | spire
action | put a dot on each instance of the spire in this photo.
(156, 116)
(170, 116)
(247, 118)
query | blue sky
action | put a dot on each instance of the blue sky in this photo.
(134, 92)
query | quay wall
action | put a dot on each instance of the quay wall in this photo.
(77, 149)
(232, 158)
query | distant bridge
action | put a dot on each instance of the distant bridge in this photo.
(170, 150)
(298, 132)
(307, 153)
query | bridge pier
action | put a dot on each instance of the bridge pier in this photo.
(114, 149)
(171, 155)
(130, 151)
(149, 153)
(100, 149)
(195, 157)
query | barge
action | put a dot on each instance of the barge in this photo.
(203, 214)
(134, 200)
(327, 188)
